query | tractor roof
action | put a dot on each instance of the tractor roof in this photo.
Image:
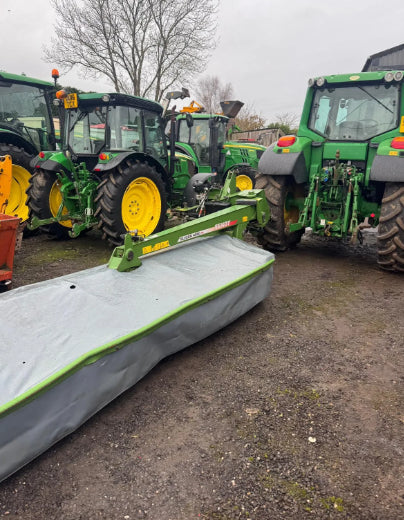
(355, 77)
(15, 78)
(115, 98)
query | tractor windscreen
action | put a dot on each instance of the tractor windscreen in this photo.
(86, 129)
(198, 137)
(24, 109)
(115, 128)
(354, 113)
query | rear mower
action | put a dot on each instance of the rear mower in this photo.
(210, 278)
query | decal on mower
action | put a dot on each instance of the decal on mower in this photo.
(151, 249)
(216, 227)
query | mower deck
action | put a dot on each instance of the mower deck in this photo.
(79, 341)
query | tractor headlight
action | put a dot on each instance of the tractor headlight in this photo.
(311, 82)
(105, 98)
(389, 76)
(398, 76)
(320, 82)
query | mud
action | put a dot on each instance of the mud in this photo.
(294, 411)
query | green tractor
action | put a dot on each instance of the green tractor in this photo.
(203, 137)
(26, 127)
(114, 171)
(344, 171)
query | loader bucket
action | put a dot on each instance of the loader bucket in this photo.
(54, 378)
(8, 236)
(231, 108)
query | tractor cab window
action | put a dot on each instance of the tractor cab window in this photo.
(198, 137)
(86, 129)
(354, 113)
(154, 135)
(125, 125)
(24, 109)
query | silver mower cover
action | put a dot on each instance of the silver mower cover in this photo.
(70, 345)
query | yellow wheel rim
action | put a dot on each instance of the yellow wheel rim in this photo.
(17, 201)
(141, 206)
(243, 182)
(55, 200)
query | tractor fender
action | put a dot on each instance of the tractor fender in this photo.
(9, 137)
(135, 156)
(275, 163)
(187, 150)
(387, 168)
(55, 163)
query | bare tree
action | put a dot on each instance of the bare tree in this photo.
(249, 119)
(211, 91)
(142, 47)
(288, 119)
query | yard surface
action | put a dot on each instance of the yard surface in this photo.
(294, 411)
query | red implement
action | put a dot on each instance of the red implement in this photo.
(8, 235)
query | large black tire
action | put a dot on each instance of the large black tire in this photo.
(41, 202)
(276, 236)
(21, 175)
(390, 240)
(132, 197)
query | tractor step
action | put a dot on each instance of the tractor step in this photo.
(111, 329)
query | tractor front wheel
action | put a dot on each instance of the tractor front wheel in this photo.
(390, 240)
(245, 178)
(131, 199)
(44, 199)
(280, 192)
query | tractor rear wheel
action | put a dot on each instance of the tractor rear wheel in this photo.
(279, 190)
(390, 240)
(44, 199)
(21, 174)
(132, 198)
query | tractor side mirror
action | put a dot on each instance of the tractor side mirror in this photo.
(189, 120)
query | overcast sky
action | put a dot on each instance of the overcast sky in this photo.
(267, 49)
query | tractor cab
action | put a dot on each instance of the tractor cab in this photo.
(103, 123)
(25, 111)
(203, 135)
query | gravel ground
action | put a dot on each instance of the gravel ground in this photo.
(294, 411)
